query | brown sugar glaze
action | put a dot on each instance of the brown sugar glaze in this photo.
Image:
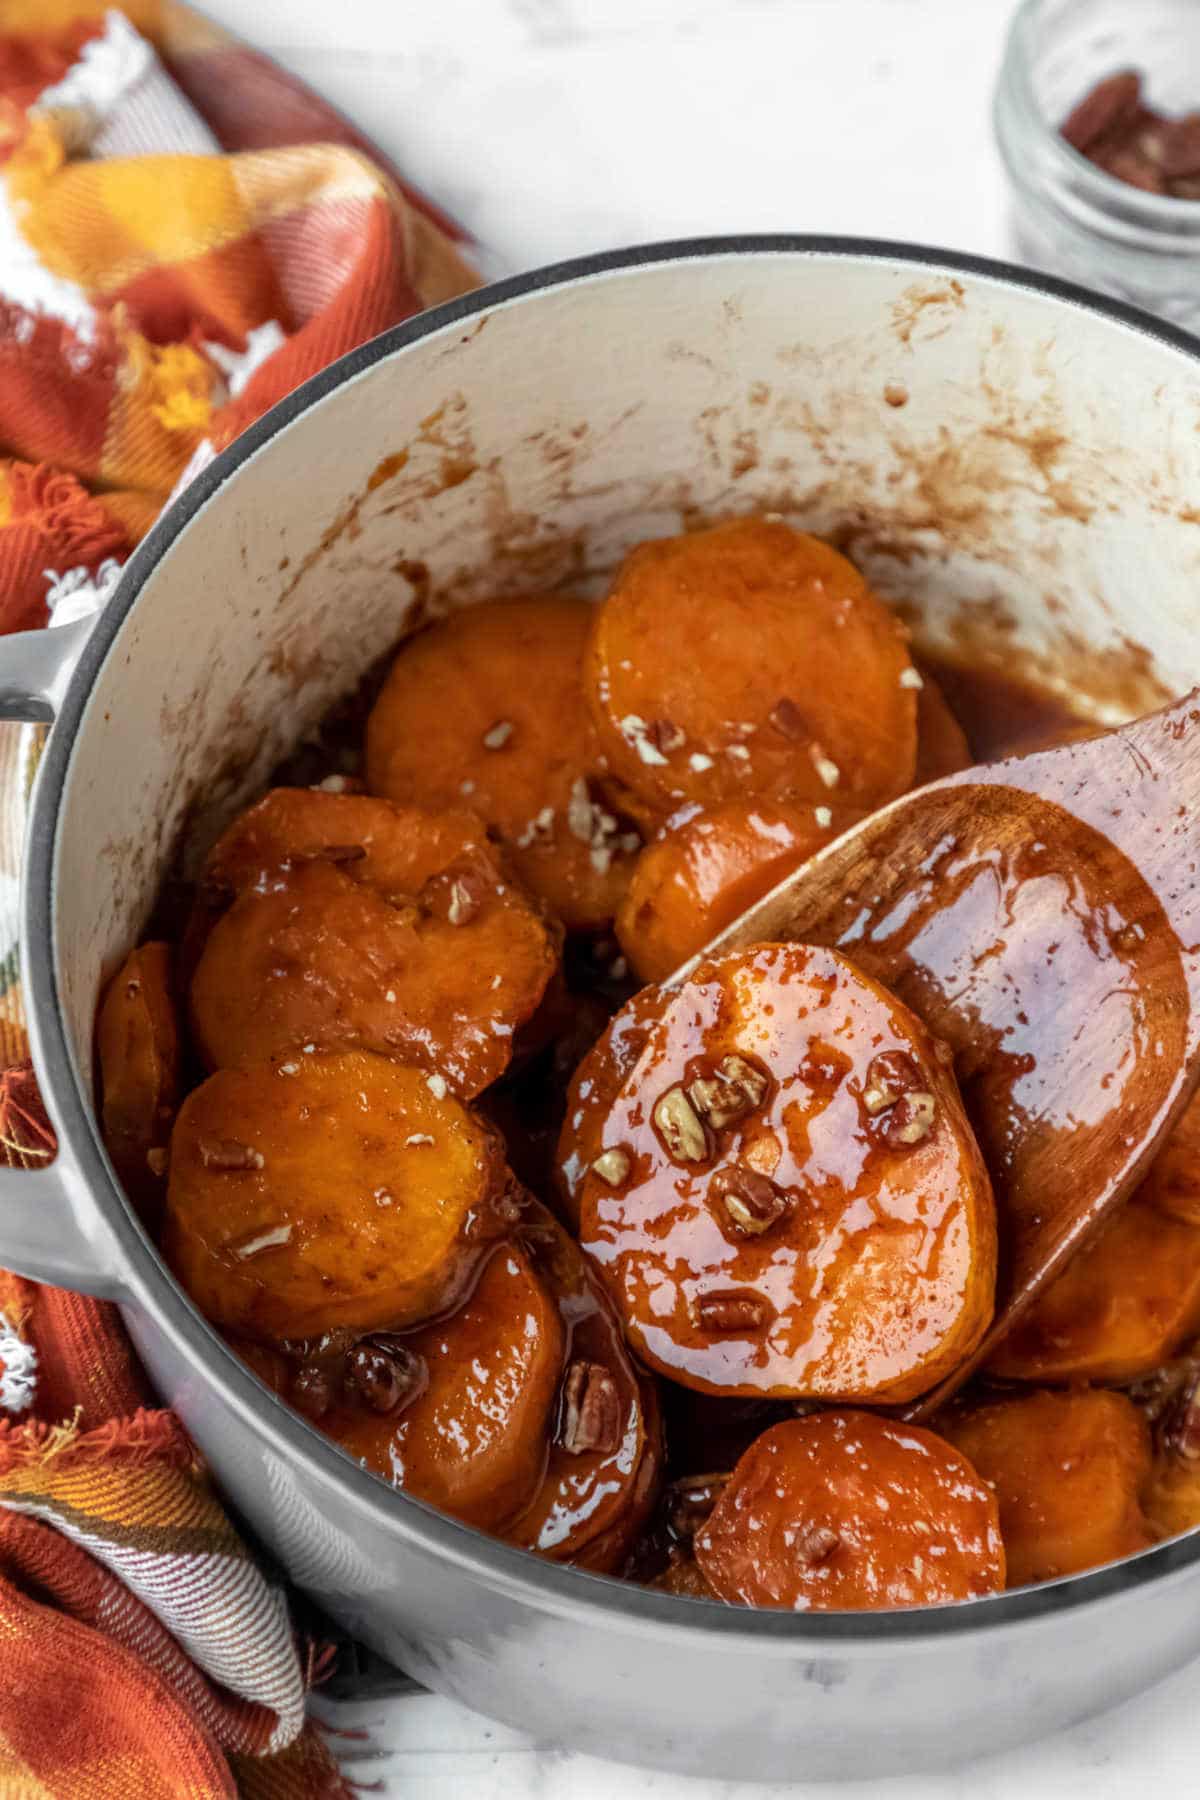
(584, 1494)
(1002, 715)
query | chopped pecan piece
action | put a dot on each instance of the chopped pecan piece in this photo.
(334, 853)
(590, 1416)
(689, 1501)
(751, 1202)
(890, 1075)
(612, 1166)
(817, 1544)
(383, 1372)
(227, 1154)
(680, 1128)
(1107, 104)
(312, 1390)
(735, 1089)
(911, 1120)
(1180, 1429)
(730, 1312)
(788, 720)
(665, 735)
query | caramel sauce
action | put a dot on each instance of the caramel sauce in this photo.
(1002, 716)
(804, 1306)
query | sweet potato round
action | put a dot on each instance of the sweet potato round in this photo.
(359, 923)
(329, 1191)
(486, 709)
(605, 1457)
(1067, 1470)
(696, 879)
(684, 1576)
(1173, 1184)
(1126, 1303)
(1171, 1495)
(942, 747)
(784, 1196)
(846, 1511)
(749, 660)
(475, 1440)
(138, 1050)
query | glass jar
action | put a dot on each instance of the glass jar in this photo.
(1069, 217)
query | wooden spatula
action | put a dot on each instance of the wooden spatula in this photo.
(1042, 915)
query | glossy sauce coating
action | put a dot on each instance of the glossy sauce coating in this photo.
(605, 1458)
(328, 1191)
(139, 1052)
(1067, 1470)
(486, 709)
(360, 923)
(593, 1089)
(740, 683)
(874, 1271)
(999, 713)
(849, 1511)
(475, 1439)
(750, 661)
(697, 878)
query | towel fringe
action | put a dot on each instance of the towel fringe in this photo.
(142, 1438)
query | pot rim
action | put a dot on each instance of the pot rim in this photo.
(148, 1284)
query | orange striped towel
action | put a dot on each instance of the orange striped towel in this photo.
(145, 1652)
(155, 297)
(185, 234)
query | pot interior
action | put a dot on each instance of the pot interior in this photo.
(1019, 473)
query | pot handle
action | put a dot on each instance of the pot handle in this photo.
(42, 1230)
(35, 667)
(42, 1210)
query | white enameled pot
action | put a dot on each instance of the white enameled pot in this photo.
(1016, 464)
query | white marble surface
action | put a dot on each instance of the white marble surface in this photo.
(554, 127)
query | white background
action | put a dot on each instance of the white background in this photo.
(554, 127)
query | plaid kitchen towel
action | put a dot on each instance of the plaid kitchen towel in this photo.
(185, 234)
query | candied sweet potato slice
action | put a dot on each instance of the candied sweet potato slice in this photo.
(610, 1551)
(360, 923)
(329, 1191)
(138, 1049)
(474, 1440)
(394, 849)
(1173, 1184)
(749, 660)
(784, 1195)
(847, 1511)
(1171, 1498)
(942, 747)
(1122, 1306)
(683, 1575)
(605, 1456)
(696, 879)
(1171, 1495)
(486, 709)
(1067, 1470)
